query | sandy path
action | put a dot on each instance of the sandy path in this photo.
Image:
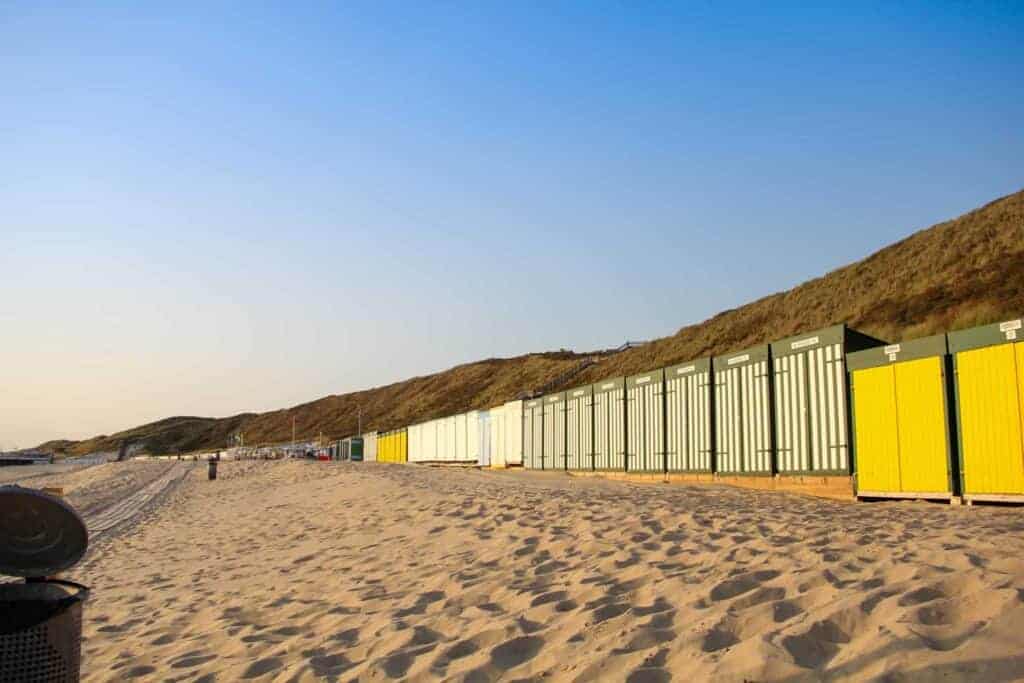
(308, 571)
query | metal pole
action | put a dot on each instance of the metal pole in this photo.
(360, 426)
(293, 430)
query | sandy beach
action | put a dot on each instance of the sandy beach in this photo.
(293, 571)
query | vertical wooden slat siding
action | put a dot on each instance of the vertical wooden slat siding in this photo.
(554, 446)
(830, 407)
(609, 427)
(785, 441)
(473, 437)
(602, 431)
(688, 428)
(548, 444)
(877, 431)
(461, 451)
(817, 372)
(496, 419)
(700, 445)
(788, 450)
(721, 419)
(656, 452)
(743, 418)
(617, 420)
(587, 450)
(527, 432)
(533, 435)
(990, 420)
(901, 429)
(437, 439)
(755, 414)
(414, 443)
(483, 434)
(644, 408)
(579, 424)
(572, 435)
(538, 436)
(750, 425)
(561, 435)
(512, 432)
(842, 458)
(752, 447)
(634, 435)
(810, 408)
(921, 413)
(676, 432)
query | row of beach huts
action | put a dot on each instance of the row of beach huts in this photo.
(833, 412)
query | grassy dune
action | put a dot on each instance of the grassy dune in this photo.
(956, 274)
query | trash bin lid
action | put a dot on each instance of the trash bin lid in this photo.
(40, 534)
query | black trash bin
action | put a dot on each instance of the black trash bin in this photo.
(40, 618)
(212, 471)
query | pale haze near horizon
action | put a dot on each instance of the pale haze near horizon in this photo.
(213, 211)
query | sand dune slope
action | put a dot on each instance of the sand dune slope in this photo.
(308, 571)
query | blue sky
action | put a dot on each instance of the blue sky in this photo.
(211, 208)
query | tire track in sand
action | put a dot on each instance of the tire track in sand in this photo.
(123, 510)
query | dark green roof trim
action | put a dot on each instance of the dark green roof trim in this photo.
(652, 377)
(610, 385)
(681, 369)
(1006, 332)
(849, 339)
(915, 349)
(736, 359)
(587, 390)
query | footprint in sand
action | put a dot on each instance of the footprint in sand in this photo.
(463, 648)
(662, 620)
(920, 596)
(329, 665)
(741, 584)
(609, 611)
(817, 646)
(424, 636)
(935, 615)
(659, 605)
(190, 659)
(397, 664)
(950, 639)
(718, 639)
(490, 607)
(527, 626)
(348, 637)
(545, 598)
(566, 606)
(784, 610)
(422, 602)
(517, 651)
(139, 671)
